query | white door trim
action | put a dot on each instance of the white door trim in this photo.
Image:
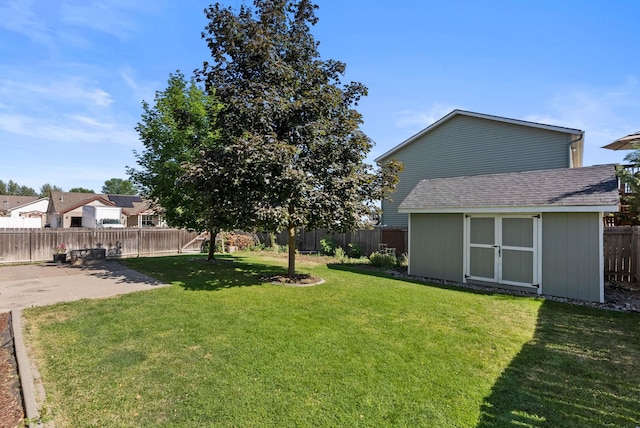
(499, 248)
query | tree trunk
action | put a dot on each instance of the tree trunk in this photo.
(292, 250)
(212, 245)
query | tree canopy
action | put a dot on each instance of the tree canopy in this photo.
(289, 121)
(81, 190)
(46, 189)
(13, 188)
(118, 186)
(176, 131)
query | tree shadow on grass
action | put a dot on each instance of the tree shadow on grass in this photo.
(580, 369)
(224, 273)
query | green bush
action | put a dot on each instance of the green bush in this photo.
(355, 250)
(385, 261)
(328, 247)
(340, 254)
(403, 259)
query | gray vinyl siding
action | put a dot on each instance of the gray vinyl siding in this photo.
(571, 255)
(467, 145)
(436, 246)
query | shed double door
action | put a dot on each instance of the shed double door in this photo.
(503, 249)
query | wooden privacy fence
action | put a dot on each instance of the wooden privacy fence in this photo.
(622, 253)
(36, 245)
(368, 240)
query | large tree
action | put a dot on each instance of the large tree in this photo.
(176, 131)
(118, 186)
(13, 188)
(290, 121)
(46, 189)
(81, 190)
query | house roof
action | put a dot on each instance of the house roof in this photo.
(62, 202)
(593, 188)
(9, 202)
(456, 113)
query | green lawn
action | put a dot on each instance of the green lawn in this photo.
(221, 348)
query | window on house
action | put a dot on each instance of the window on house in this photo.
(147, 221)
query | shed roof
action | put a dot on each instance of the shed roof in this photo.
(593, 188)
(455, 113)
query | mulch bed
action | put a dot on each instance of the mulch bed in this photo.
(300, 280)
(11, 411)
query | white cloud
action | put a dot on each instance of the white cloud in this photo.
(73, 130)
(19, 16)
(604, 113)
(67, 90)
(415, 120)
(113, 17)
(140, 89)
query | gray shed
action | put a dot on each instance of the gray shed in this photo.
(535, 230)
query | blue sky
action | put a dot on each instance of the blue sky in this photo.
(73, 73)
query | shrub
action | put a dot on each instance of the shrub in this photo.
(328, 247)
(340, 254)
(239, 240)
(403, 259)
(385, 261)
(355, 250)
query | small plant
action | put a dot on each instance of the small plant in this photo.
(384, 261)
(340, 254)
(328, 247)
(355, 250)
(273, 242)
(60, 249)
(403, 259)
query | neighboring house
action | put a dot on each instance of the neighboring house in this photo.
(465, 143)
(23, 211)
(65, 209)
(138, 212)
(535, 230)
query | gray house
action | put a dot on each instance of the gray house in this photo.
(465, 143)
(538, 231)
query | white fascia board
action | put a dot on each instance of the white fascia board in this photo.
(497, 210)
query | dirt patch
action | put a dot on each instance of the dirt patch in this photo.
(11, 411)
(297, 280)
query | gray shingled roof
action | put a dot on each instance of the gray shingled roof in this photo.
(567, 187)
(65, 201)
(9, 202)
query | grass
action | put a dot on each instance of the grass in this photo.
(221, 348)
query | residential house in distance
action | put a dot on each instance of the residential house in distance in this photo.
(505, 203)
(22, 211)
(65, 209)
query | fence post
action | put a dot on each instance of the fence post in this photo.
(632, 255)
(31, 245)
